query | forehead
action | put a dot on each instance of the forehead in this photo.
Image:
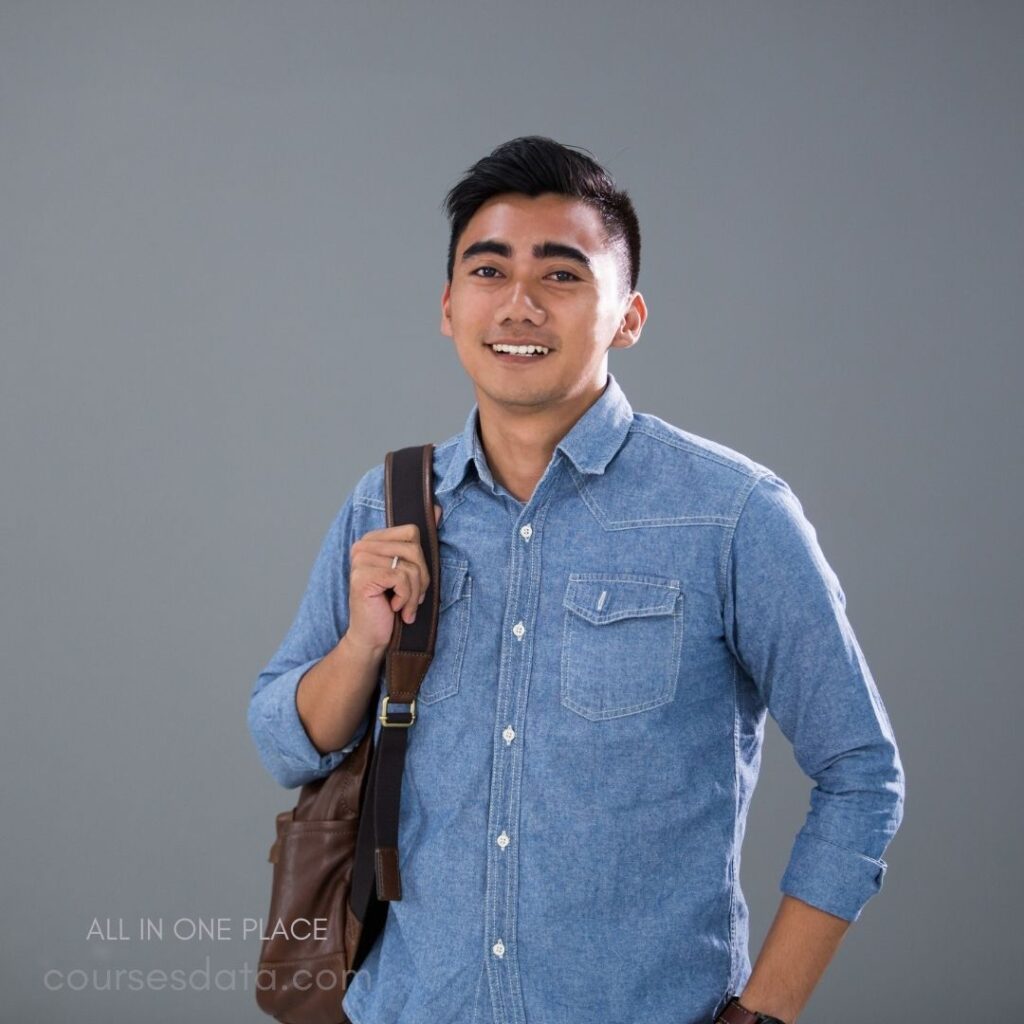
(522, 219)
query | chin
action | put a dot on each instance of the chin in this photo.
(528, 395)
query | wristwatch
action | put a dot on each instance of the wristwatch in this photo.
(735, 1013)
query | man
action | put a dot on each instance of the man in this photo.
(622, 602)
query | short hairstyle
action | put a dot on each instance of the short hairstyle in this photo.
(534, 164)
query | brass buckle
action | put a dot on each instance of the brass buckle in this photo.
(383, 716)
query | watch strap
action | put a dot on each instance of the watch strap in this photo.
(734, 1013)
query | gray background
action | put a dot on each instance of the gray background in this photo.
(222, 256)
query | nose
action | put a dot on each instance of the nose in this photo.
(519, 305)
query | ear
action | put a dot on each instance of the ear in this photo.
(446, 306)
(632, 323)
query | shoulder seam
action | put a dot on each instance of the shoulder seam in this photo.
(367, 502)
(683, 445)
(725, 555)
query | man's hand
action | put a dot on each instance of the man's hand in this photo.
(331, 697)
(371, 580)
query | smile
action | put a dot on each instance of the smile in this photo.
(519, 353)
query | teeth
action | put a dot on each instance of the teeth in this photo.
(520, 350)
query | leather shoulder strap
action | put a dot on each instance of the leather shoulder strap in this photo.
(409, 498)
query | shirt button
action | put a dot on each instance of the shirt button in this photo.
(519, 629)
(498, 949)
(526, 532)
(503, 840)
(509, 734)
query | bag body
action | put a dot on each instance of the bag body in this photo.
(303, 979)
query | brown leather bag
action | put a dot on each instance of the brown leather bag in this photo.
(336, 860)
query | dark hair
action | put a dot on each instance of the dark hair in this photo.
(533, 164)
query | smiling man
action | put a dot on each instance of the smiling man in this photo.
(536, 297)
(622, 604)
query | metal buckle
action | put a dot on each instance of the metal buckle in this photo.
(383, 716)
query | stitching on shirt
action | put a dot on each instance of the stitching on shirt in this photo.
(369, 503)
(515, 762)
(513, 767)
(443, 449)
(845, 849)
(725, 554)
(569, 619)
(493, 905)
(625, 577)
(458, 496)
(631, 524)
(733, 928)
(684, 445)
(465, 602)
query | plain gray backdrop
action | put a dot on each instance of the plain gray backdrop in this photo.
(222, 258)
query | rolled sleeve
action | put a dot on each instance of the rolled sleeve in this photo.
(282, 741)
(322, 619)
(831, 878)
(789, 629)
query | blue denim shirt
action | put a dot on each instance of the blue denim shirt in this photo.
(589, 733)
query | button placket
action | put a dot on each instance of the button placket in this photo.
(521, 599)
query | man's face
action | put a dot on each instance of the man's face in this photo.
(537, 271)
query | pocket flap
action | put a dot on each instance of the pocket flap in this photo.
(453, 581)
(607, 598)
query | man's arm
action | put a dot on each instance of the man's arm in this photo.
(310, 706)
(797, 949)
(787, 626)
(333, 695)
(278, 728)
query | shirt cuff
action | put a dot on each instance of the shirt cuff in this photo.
(284, 745)
(830, 877)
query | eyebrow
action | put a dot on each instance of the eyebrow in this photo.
(547, 250)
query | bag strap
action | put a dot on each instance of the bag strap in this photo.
(409, 498)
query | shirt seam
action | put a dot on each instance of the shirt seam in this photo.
(734, 852)
(729, 533)
(688, 446)
(366, 502)
(846, 849)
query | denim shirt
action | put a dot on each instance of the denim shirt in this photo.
(589, 733)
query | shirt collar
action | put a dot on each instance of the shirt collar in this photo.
(590, 443)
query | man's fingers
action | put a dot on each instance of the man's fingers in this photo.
(409, 592)
(377, 577)
(377, 549)
(407, 550)
(404, 587)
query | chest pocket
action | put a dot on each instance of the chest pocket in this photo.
(621, 643)
(442, 678)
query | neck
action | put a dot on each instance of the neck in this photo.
(518, 441)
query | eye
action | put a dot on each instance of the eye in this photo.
(567, 273)
(476, 273)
